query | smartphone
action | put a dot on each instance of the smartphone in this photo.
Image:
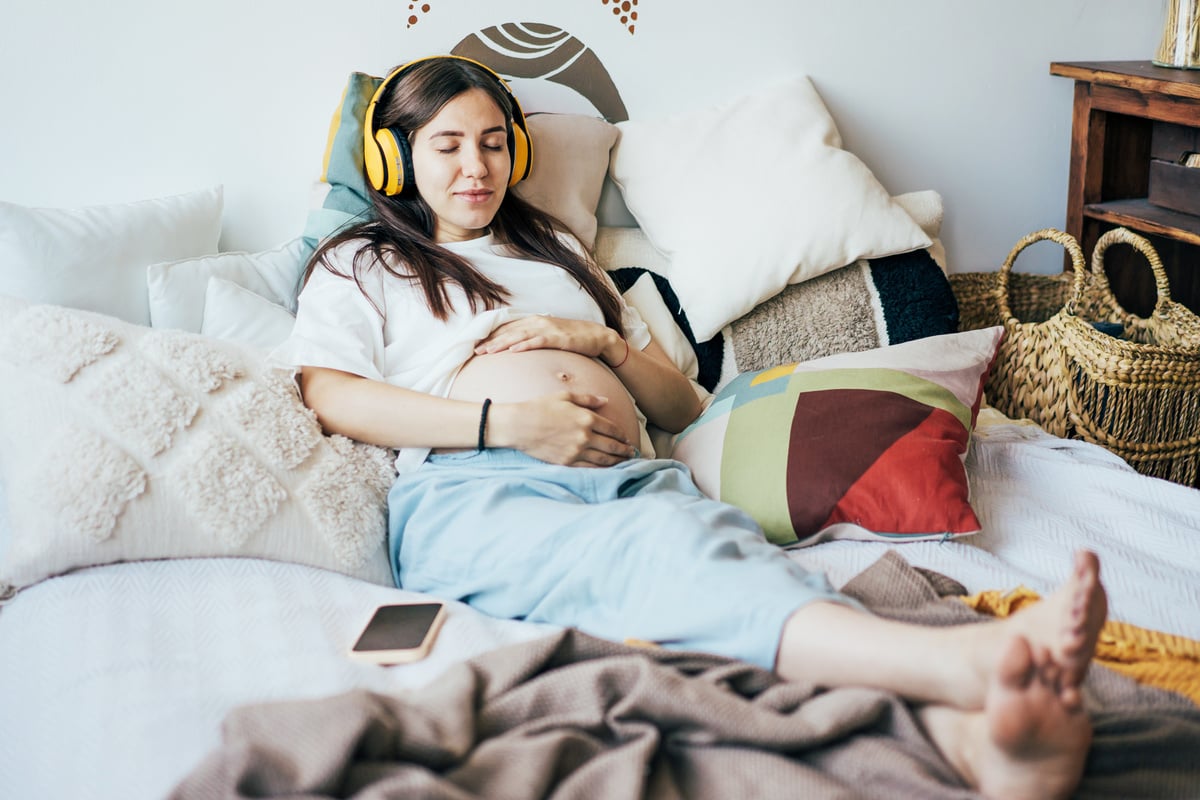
(399, 634)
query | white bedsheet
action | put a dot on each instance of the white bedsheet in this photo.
(114, 680)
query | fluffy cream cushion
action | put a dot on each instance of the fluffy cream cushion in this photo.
(751, 195)
(96, 257)
(121, 442)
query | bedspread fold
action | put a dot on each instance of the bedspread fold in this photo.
(572, 716)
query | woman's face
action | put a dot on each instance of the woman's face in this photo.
(461, 165)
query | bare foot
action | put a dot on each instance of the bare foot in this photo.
(1064, 625)
(830, 644)
(1032, 739)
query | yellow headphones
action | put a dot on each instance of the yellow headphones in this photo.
(387, 155)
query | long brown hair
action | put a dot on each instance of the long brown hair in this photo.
(399, 236)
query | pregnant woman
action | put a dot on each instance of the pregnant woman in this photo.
(474, 335)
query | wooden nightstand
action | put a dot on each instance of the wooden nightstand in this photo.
(1128, 114)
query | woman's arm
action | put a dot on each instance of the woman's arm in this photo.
(660, 390)
(562, 428)
(664, 394)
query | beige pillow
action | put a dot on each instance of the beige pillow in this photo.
(570, 162)
(751, 195)
(120, 442)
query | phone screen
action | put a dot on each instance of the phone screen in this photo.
(395, 628)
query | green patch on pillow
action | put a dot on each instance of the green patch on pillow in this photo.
(868, 445)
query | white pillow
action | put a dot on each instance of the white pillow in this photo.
(95, 257)
(122, 442)
(927, 210)
(237, 314)
(751, 195)
(618, 247)
(570, 162)
(177, 288)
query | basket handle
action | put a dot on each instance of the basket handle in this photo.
(1053, 234)
(1143, 246)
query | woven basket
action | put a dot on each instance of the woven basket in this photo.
(1033, 298)
(1028, 379)
(1138, 395)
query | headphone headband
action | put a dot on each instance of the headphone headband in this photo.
(387, 157)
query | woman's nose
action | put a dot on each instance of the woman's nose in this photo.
(473, 165)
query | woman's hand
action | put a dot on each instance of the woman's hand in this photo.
(562, 428)
(543, 332)
(658, 387)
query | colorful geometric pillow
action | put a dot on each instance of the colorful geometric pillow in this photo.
(868, 445)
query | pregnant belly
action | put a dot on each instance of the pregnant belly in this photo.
(511, 377)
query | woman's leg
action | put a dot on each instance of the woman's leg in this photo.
(833, 645)
(630, 552)
(1002, 700)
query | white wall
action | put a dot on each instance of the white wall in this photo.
(126, 99)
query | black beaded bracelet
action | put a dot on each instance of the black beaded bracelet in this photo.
(487, 403)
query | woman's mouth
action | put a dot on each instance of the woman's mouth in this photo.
(475, 195)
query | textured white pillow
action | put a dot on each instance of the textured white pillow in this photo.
(95, 257)
(570, 163)
(121, 442)
(177, 288)
(751, 195)
(237, 314)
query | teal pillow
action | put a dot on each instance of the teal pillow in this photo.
(868, 445)
(343, 188)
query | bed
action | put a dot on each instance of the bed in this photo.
(180, 540)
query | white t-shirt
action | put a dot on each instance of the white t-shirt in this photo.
(395, 338)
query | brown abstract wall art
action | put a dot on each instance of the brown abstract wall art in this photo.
(534, 50)
(625, 12)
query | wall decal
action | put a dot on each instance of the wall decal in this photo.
(534, 50)
(625, 11)
(415, 9)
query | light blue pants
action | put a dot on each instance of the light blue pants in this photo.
(631, 551)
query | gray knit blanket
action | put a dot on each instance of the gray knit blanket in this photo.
(572, 716)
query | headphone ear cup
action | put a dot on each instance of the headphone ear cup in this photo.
(373, 161)
(522, 155)
(393, 172)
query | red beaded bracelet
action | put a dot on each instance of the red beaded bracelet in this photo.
(625, 358)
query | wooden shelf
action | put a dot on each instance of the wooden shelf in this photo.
(1120, 109)
(1139, 215)
(1140, 76)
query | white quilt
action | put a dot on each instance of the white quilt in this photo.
(114, 680)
